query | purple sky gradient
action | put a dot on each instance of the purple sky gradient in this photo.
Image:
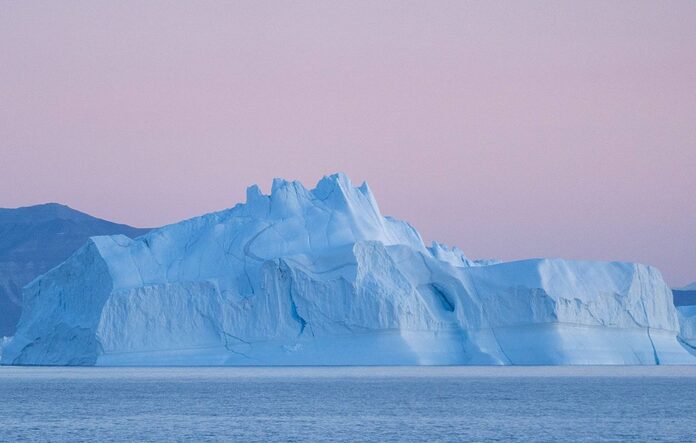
(514, 129)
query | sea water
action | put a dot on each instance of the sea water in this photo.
(349, 404)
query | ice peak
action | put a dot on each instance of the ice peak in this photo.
(338, 184)
(338, 178)
(282, 185)
(253, 192)
(365, 188)
(332, 214)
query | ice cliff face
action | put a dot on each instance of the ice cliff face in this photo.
(685, 301)
(687, 322)
(34, 239)
(321, 277)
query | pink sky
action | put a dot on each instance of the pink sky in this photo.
(511, 129)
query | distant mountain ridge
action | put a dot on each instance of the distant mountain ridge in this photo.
(34, 239)
(42, 212)
(684, 297)
(689, 287)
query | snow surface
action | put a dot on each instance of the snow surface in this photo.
(321, 277)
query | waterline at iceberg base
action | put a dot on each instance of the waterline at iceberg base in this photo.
(320, 277)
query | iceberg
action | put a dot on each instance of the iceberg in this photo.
(319, 277)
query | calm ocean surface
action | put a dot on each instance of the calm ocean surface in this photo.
(349, 403)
